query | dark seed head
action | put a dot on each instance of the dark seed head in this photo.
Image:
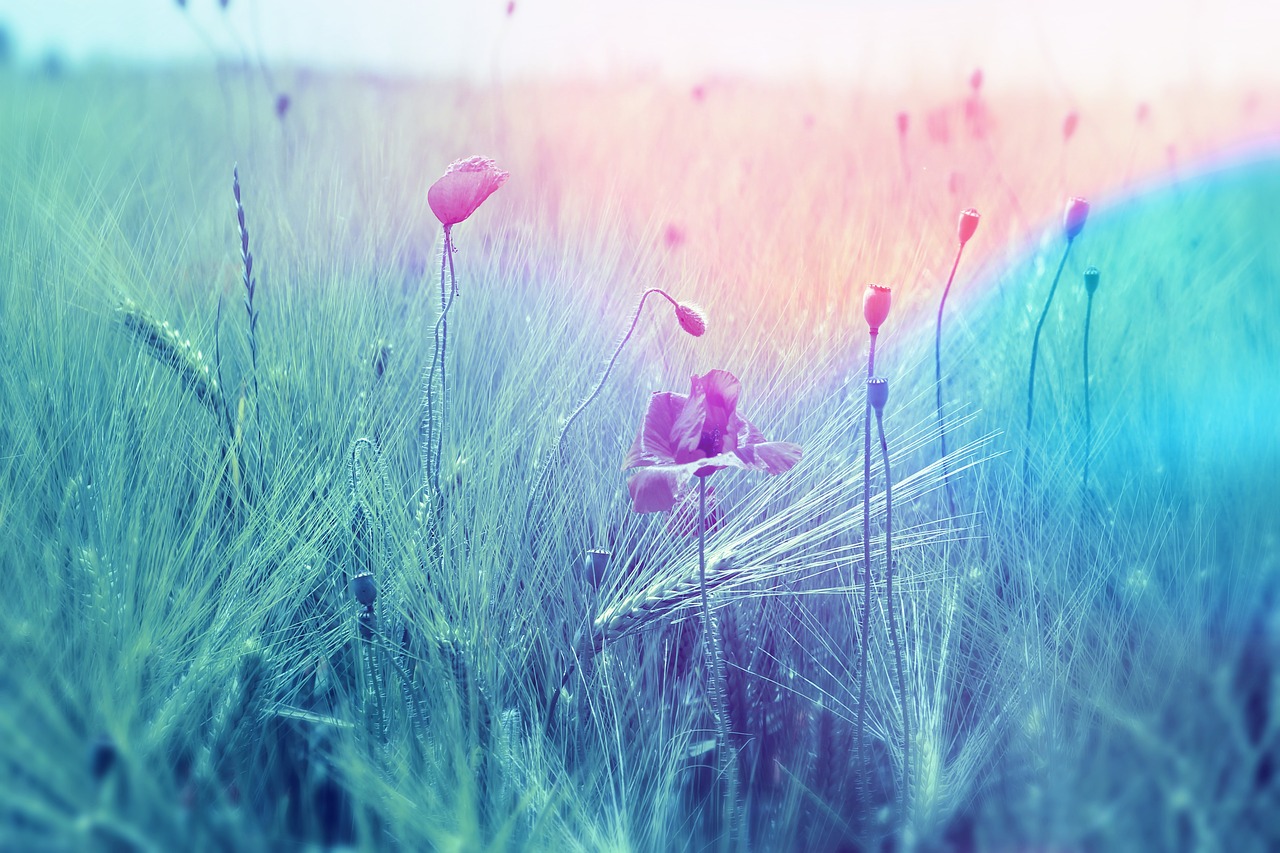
(878, 392)
(364, 589)
(1091, 276)
(597, 562)
(102, 757)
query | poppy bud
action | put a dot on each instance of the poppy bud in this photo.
(875, 305)
(1091, 276)
(691, 319)
(1074, 216)
(364, 588)
(463, 187)
(878, 392)
(597, 561)
(968, 224)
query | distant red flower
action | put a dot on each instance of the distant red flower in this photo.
(904, 123)
(1074, 216)
(464, 187)
(968, 224)
(975, 80)
(694, 436)
(1069, 125)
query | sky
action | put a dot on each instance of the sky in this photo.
(1076, 45)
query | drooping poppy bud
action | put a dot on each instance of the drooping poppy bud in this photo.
(463, 188)
(968, 224)
(364, 588)
(1091, 276)
(875, 305)
(1074, 216)
(691, 319)
(878, 392)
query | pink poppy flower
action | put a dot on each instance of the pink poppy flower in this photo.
(683, 437)
(463, 187)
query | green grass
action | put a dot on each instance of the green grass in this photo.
(1086, 673)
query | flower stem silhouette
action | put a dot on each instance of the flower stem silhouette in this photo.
(1091, 277)
(968, 225)
(716, 675)
(878, 393)
(1073, 219)
(875, 308)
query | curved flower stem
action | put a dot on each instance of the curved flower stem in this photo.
(866, 577)
(716, 674)
(1031, 381)
(893, 624)
(1088, 417)
(547, 466)
(937, 373)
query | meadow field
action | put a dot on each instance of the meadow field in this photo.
(198, 478)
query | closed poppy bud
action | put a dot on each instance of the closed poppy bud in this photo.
(875, 305)
(597, 561)
(1091, 277)
(1074, 216)
(691, 319)
(464, 187)
(364, 589)
(968, 224)
(878, 392)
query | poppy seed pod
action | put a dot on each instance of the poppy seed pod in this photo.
(463, 187)
(878, 392)
(1091, 276)
(968, 224)
(597, 562)
(875, 305)
(691, 319)
(364, 588)
(1074, 216)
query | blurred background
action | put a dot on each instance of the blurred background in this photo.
(1077, 47)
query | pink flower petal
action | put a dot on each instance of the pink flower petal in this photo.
(772, 457)
(653, 445)
(654, 489)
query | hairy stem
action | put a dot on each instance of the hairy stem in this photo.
(866, 578)
(893, 623)
(1088, 417)
(715, 674)
(545, 474)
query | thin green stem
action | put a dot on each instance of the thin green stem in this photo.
(1035, 350)
(893, 624)
(866, 579)
(937, 373)
(545, 474)
(715, 672)
(1088, 416)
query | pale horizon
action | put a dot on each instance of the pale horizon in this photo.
(1068, 48)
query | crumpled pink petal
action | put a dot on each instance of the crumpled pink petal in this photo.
(463, 187)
